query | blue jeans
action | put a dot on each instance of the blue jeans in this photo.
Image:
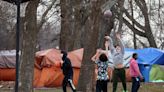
(135, 84)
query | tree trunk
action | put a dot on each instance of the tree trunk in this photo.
(132, 15)
(83, 26)
(72, 25)
(28, 48)
(94, 38)
(91, 27)
(148, 30)
(67, 24)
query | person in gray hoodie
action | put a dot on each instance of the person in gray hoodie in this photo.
(117, 53)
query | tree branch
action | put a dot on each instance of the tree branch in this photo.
(134, 21)
(140, 33)
(45, 14)
(142, 5)
(142, 43)
(136, 31)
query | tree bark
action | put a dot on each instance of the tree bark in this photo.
(28, 48)
(121, 5)
(83, 26)
(92, 25)
(67, 24)
(149, 34)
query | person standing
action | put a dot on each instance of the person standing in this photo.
(135, 73)
(102, 65)
(117, 53)
(67, 71)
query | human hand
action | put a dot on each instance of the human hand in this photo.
(118, 35)
(141, 77)
(107, 37)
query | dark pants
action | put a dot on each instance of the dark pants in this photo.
(68, 81)
(135, 84)
(119, 74)
(101, 85)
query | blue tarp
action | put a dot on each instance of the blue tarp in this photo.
(149, 56)
(146, 58)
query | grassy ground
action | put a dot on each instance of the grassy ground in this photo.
(145, 87)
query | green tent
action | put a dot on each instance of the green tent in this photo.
(157, 73)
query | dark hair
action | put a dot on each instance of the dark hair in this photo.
(116, 45)
(103, 57)
(134, 55)
(106, 34)
(64, 54)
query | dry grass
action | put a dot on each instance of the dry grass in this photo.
(145, 87)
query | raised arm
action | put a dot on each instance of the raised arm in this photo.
(122, 46)
(121, 43)
(110, 44)
(95, 57)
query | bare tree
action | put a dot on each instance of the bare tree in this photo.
(28, 48)
(30, 29)
(91, 27)
(7, 17)
(83, 25)
(139, 29)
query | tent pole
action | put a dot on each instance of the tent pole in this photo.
(17, 45)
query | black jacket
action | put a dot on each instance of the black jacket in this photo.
(67, 67)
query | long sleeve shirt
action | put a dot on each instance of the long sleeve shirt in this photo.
(134, 69)
(117, 56)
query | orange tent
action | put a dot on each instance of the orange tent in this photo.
(51, 74)
(47, 71)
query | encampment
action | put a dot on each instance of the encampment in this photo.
(48, 73)
(150, 60)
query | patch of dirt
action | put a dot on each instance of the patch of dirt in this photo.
(7, 84)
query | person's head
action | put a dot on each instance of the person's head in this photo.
(118, 48)
(103, 57)
(135, 56)
(63, 54)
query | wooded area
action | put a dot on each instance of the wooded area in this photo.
(74, 24)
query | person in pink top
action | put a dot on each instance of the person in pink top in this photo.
(135, 73)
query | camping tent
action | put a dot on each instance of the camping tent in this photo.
(157, 73)
(48, 73)
(147, 58)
